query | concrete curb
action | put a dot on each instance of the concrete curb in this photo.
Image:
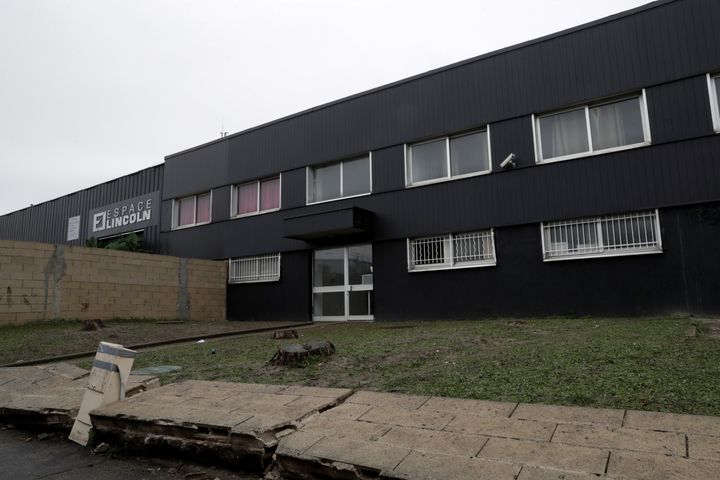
(139, 346)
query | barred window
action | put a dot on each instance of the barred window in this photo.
(625, 234)
(457, 250)
(259, 268)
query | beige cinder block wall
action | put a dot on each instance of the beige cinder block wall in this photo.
(41, 281)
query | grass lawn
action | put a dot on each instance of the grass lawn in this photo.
(59, 337)
(647, 364)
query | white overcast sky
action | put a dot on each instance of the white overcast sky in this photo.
(94, 89)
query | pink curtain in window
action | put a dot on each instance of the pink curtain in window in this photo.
(270, 194)
(247, 199)
(203, 208)
(186, 214)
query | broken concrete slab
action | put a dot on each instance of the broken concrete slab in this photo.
(233, 424)
(50, 395)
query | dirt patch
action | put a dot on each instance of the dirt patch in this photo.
(63, 337)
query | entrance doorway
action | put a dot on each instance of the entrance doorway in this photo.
(343, 283)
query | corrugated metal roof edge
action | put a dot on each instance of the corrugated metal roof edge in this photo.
(83, 189)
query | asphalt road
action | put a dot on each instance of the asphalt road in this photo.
(24, 457)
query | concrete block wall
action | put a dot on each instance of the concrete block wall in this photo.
(42, 281)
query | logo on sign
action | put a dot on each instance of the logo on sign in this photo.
(99, 222)
(125, 216)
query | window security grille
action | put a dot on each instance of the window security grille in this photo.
(625, 234)
(451, 251)
(261, 268)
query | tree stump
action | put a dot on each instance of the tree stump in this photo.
(295, 353)
(279, 334)
(92, 325)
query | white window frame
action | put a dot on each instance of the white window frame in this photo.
(309, 168)
(408, 159)
(176, 212)
(714, 96)
(449, 253)
(537, 137)
(234, 194)
(275, 277)
(601, 248)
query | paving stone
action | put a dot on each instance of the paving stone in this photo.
(672, 422)
(159, 399)
(374, 455)
(408, 418)
(347, 411)
(338, 428)
(544, 454)
(317, 391)
(464, 406)
(645, 466)
(248, 402)
(665, 443)
(409, 402)
(298, 442)
(249, 387)
(502, 427)
(257, 424)
(433, 441)
(66, 370)
(537, 473)
(207, 417)
(560, 414)
(703, 446)
(311, 403)
(433, 466)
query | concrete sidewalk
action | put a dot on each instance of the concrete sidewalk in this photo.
(309, 433)
(50, 395)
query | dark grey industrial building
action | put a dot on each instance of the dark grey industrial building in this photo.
(576, 174)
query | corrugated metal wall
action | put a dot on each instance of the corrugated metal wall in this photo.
(663, 43)
(48, 221)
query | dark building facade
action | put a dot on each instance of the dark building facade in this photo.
(576, 174)
(132, 202)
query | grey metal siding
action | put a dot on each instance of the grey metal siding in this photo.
(658, 45)
(47, 222)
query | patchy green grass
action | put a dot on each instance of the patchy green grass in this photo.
(647, 364)
(60, 337)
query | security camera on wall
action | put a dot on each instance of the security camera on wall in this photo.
(509, 161)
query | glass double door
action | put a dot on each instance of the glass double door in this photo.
(343, 283)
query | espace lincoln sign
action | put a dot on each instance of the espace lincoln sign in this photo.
(125, 216)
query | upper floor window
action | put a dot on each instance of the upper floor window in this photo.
(348, 178)
(625, 234)
(256, 197)
(454, 250)
(714, 88)
(590, 129)
(192, 210)
(446, 158)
